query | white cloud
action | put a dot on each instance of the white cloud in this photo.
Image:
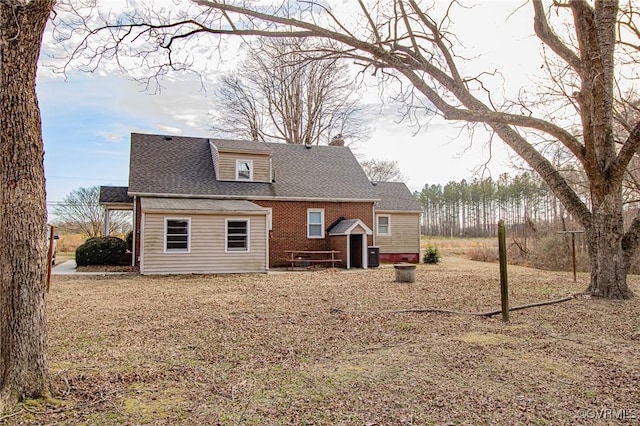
(169, 129)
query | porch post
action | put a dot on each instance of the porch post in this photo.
(365, 252)
(106, 221)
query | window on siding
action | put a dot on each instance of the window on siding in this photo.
(315, 223)
(384, 225)
(237, 235)
(177, 234)
(244, 170)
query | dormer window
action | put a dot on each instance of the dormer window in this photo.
(244, 170)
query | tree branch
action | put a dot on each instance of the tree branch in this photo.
(546, 34)
(448, 311)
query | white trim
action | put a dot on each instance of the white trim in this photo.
(142, 220)
(117, 206)
(266, 246)
(365, 252)
(225, 150)
(176, 251)
(269, 219)
(398, 211)
(373, 216)
(384, 234)
(256, 198)
(315, 237)
(347, 231)
(250, 164)
(106, 221)
(207, 212)
(135, 233)
(226, 234)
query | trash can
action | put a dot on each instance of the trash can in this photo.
(374, 257)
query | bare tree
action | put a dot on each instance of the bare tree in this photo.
(23, 332)
(408, 42)
(283, 91)
(382, 170)
(80, 212)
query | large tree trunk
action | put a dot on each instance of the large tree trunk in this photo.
(23, 333)
(608, 262)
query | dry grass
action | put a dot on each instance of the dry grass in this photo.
(269, 349)
(70, 242)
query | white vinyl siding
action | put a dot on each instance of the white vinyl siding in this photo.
(315, 223)
(227, 166)
(404, 234)
(207, 253)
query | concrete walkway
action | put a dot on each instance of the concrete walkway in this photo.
(69, 268)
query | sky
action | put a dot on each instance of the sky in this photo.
(87, 118)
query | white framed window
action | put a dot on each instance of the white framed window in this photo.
(237, 235)
(177, 234)
(315, 223)
(244, 169)
(383, 225)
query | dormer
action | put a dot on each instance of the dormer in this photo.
(241, 161)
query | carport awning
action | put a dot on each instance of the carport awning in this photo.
(161, 205)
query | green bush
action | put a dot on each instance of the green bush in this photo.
(101, 251)
(129, 240)
(431, 255)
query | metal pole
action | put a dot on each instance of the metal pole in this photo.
(504, 286)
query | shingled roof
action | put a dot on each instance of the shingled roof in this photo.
(395, 196)
(114, 195)
(182, 166)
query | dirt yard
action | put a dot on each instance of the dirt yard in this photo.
(321, 348)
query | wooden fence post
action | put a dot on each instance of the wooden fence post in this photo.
(504, 287)
(52, 231)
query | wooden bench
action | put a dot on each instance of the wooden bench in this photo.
(311, 257)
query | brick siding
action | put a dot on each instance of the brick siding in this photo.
(289, 230)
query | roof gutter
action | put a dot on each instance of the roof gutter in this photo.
(258, 198)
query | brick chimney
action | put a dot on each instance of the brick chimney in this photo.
(337, 141)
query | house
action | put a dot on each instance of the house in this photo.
(397, 223)
(226, 206)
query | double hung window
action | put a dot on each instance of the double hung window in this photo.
(177, 234)
(315, 223)
(244, 170)
(384, 225)
(237, 235)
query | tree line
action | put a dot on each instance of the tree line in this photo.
(473, 208)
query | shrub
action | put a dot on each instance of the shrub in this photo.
(129, 240)
(483, 253)
(101, 251)
(431, 255)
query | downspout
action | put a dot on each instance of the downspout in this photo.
(135, 231)
(374, 224)
(268, 237)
